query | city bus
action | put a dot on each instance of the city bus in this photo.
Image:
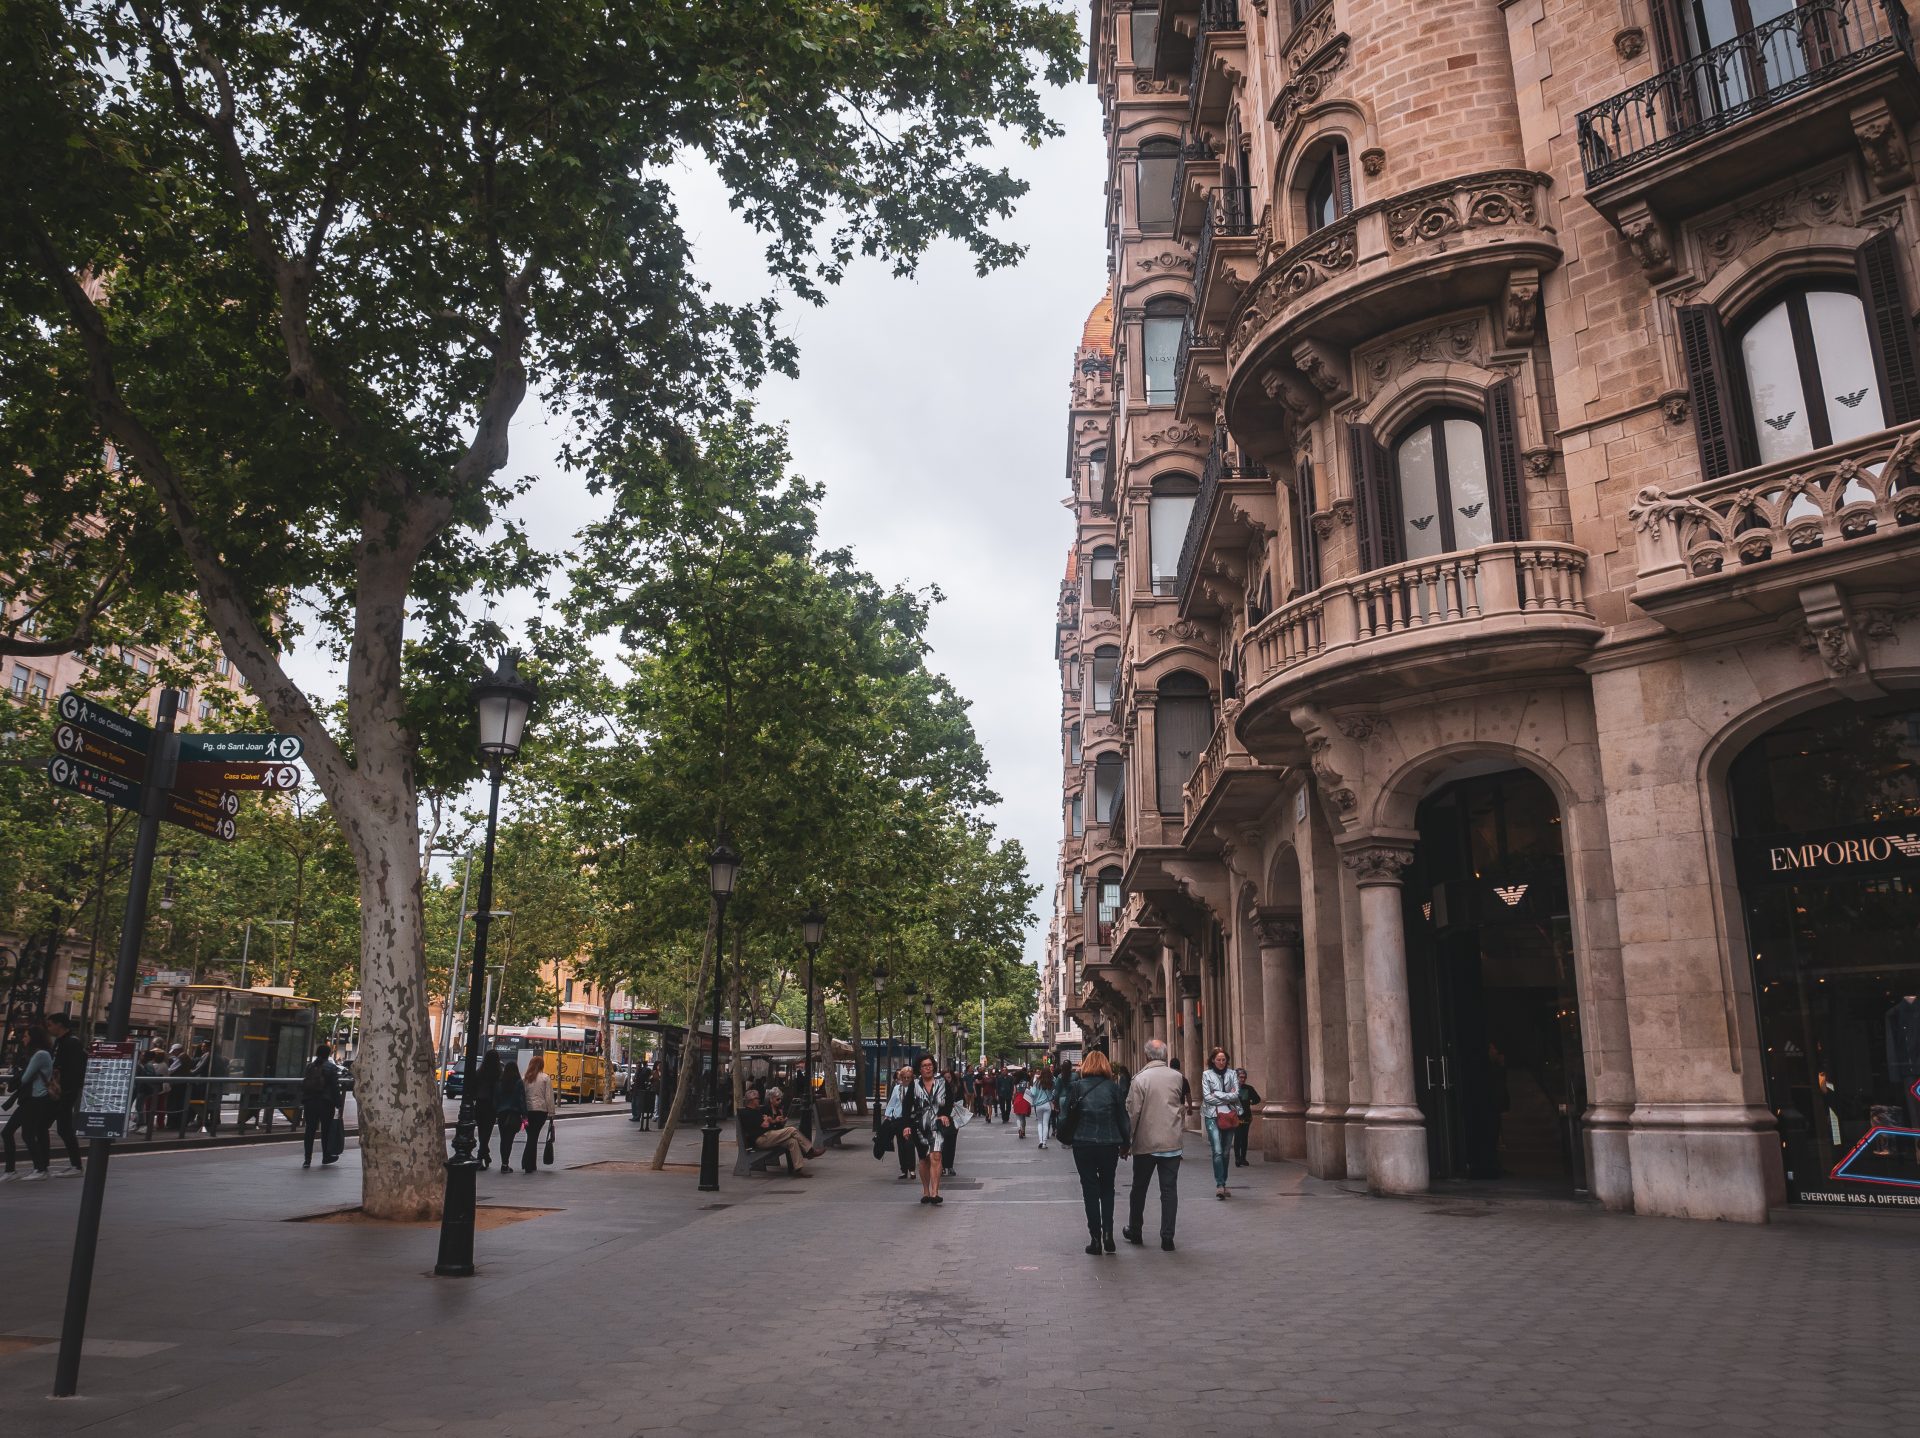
(580, 1072)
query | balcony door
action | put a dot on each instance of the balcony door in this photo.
(1738, 52)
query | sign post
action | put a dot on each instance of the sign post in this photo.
(162, 749)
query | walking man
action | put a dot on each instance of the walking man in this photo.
(1249, 1099)
(1003, 1090)
(1157, 1117)
(70, 1067)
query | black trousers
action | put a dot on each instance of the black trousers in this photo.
(483, 1125)
(906, 1147)
(1097, 1163)
(1240, 1141)
(530, 1157)
(315, 1114)
(63, 1124)
(509, 1125)
(949, 1142)
(1145, 1166)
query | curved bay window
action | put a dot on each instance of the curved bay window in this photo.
(1073, 743)
(1160, 343)
(1183, 726)
(1169, 511)
(1106, 672)
(1153, 171)
(1096, 474)
(1100, 578)
(1107, 900)
(1449, 481)
(1329, 187)
(1823, 361)
(1109, 772)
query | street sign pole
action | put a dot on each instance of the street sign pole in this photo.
(161, 758)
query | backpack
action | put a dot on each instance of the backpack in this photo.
(55, 1089)
(315, 1082)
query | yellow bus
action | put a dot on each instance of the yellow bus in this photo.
(580, 1072)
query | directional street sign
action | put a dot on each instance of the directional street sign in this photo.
(202, 821)
(219, 801)
(105, 722)
(79, 744)
(238, 748)
(94, 783)
(203, 775)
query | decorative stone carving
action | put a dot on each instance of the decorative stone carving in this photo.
(1882, 146)
(1310, 76)
(1343, 511)
(1362, 727)
(1279, 928)
(1322, 520)
(1646, 236)
(1183, 631)
(1674, 405)
(1167, 260)
(1834, 633)
(1300, 404)
(1332, 782)
(1455, 341)
(1520, 310)
(1324, 370)
(1378, 863)
(1490, 200)
(1145, 84)
(1293, 273)
(1819, 201)
(1539, 462)
(1631, 43)
(1372, 161)
(1178, 432)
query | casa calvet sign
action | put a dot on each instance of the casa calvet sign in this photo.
(1861, 851)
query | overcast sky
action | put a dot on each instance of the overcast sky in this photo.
(934, 411)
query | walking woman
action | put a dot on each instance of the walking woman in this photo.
(509, 1108)
(486, 1087)
(540, 1110)
(1040, 1095)
(1100, 1138)
(1220, 1098)
(33, 1106)
(932, 1123)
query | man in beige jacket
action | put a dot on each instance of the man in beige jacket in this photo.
(1158, 1123)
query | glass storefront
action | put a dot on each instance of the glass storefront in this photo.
(1827, 840)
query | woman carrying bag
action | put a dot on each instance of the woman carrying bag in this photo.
(1220, 1108)
(541, 1106)
(1095, 1125)
(1040, 1097)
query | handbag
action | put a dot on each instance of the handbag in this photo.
(1021, 1106)
(1069, 1124)
(547, 1156)
(1226, 1120)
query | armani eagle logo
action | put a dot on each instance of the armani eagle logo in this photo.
(1850, 400)
(1423, 521)
(1510, 894)
(1782, 421)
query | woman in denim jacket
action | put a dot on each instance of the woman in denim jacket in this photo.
(1219, 1093)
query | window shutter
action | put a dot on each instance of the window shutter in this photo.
(1503, 462)
(1376, 506)
(1888, 326)
(1306, 545)
(1722, 434)
(1342, 181)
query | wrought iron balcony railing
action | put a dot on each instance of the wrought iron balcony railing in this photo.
(1809, 46)
(1215, 16)
(1229, 212)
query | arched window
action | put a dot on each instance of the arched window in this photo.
(1822, 362)
(1448, 480)
(1808, 366)
(1073, 743)
(1329, 187)
(1108, 773)
(1182, 727)
(1160, 341)
(1169, 511)
(1100, 578)
(1106, 672)
(1153, 171)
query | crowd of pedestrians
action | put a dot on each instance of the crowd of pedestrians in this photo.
(49, 1066)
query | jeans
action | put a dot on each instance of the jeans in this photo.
(1145, 1166)
(1097, 1163)
(1222, 1148)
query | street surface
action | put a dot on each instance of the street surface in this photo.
(639, 1306)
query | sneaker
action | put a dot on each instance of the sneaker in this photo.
(71, 1171)
(38, 1173)
(9, 1177)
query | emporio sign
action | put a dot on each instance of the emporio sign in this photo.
(1867, 851)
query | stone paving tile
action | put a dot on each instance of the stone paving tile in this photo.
(643, 1309)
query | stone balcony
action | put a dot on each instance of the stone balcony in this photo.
(1748, 545)
(1228, 786)
(1445, 246)
(1500, 611)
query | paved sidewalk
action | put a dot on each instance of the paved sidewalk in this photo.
(840, 1305)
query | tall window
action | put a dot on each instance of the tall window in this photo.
(1329, 187)
(1097, 473)
(1108, 773)
(1100, 578)
(1693, 27)
(1182, 728)
(1160, 338)
(1106, 672)
(1809, 370)
(1169, 510)
(1441, 466)
(1078, 883)
(42, 683)
(1109, 900)
(1073, 743)
(1153, 171)
(1146, 31)
(1076, 817)
(1306, 544)
(22, 676)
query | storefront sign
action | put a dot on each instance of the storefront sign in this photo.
(107, 1095)
(1862, 851)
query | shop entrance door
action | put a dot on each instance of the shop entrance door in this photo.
(1497, 1057)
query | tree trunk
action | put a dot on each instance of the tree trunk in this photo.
(687, 1054)
(738, 1065)
(853, 1025)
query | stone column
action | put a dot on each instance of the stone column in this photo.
(1396, 1130)
(1191, 1059)
(1285, 1110)
(1157, 1019)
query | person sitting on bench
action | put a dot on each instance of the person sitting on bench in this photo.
(754, 1131)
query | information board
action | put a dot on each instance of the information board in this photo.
(107, 1096)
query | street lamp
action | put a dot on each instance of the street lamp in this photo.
(879, 1006)
(813, 928)
(502, 700)
(906, 1015)
(723, 870)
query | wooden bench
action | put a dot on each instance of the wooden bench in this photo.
(750, 1159)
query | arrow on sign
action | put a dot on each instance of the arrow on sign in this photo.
(78, 744)
(94, 783)
(105, 722)
(203, 821)
(219, 801)
(234, 748)
(202, 775)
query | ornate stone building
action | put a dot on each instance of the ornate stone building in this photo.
(1492, 642)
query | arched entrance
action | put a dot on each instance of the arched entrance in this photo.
(1826, 811)
(1498, 1065)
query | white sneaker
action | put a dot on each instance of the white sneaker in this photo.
(38, 1173)
(9, 1176)
(71, 1172)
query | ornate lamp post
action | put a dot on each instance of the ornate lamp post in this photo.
(879, 1003)
(907, 1016)
(723, 870)
(813, 928)
(933, 1037)
(503, 700)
